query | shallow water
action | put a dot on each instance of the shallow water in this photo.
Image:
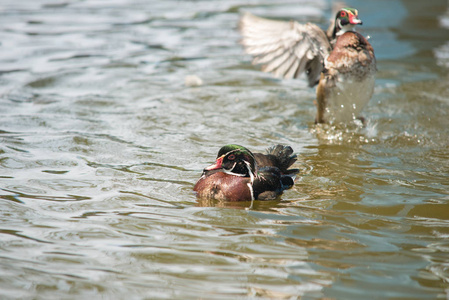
(102, 142)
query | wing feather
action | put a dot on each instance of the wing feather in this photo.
(287, 49)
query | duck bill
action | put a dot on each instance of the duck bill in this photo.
(354, 21)
(217, 165)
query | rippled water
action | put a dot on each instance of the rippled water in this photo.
(102, 142)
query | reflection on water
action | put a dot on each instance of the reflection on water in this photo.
(102, 142)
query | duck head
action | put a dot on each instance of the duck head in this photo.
(345, 20)
(235, 160)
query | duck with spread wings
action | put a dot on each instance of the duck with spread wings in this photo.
(341, 61)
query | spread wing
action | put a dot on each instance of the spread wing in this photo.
(286, 49)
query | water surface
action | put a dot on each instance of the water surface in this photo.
(102, 142)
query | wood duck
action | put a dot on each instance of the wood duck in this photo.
(240, 175)
(341, 61)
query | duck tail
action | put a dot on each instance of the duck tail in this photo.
(285, 158)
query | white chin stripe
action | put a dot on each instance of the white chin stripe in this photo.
(343, 29)
(231, 173)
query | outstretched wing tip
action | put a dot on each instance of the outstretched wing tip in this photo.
(284, 48)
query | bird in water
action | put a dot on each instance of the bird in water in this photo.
(240, 175)
(341, 61)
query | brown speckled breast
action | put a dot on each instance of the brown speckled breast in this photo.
(221, 186)
(352, 54)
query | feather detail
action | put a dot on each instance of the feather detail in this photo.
(286, 49)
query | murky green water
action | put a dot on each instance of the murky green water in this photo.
(102, 142)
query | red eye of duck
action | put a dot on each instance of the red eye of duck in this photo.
(231, 157)
(343, 14)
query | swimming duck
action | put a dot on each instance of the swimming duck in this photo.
(240, 175)
(341, 61)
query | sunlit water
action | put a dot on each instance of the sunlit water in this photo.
(102, 142)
